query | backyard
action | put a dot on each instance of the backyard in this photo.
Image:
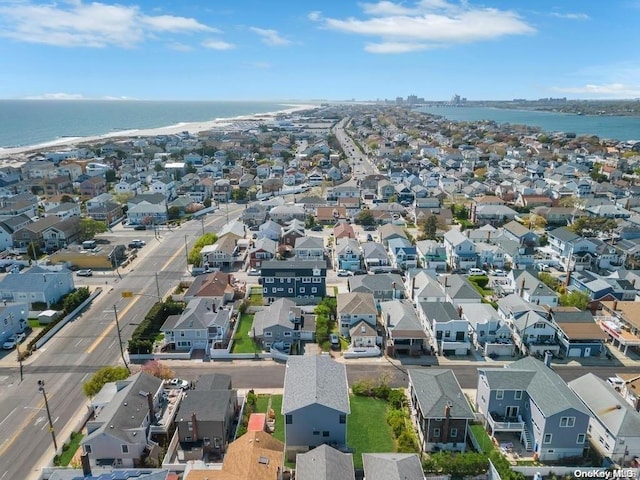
(276, 404)
(367, 429)
(481, 435)
(255, 297)
(242, 342)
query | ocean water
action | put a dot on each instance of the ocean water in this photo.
(614, 127)
(32, 122)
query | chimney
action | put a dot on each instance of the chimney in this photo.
(445, 425)
(388, 319)
(547, 358)
(152, 410)
(615, 306)
(86, 465)
(489, 237)
(460, 311)
(522, 288)
(194, 422)
(567, 279)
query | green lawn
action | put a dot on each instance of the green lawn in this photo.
(276, 405)
(72, 447)
(33, 323)
(242, 342)
(367, 429)
(255, 297)
(483, 438)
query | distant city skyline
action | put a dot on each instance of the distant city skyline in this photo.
(313, 50)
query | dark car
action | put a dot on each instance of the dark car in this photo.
(317, 228)
(254, 228)
(370, 228)
(140, 227)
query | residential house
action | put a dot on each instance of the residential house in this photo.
(285, 213)
(254, 214)
(129, 186)
(203, 325)
(459, 291)
(36, 285)
(221, 190)
(93, 186)
(448, 331)
(577, 332)
(293, 230)
(531, 330)
(64, 210)
(439, 409)
(423, 286)
(402, 253)
(529, 398)
(61, 234)
(431, 255)
(324, 463)
(31, 234)
(331, 215)
(216, 286)
(383, 286)
(270, 230)
(363, 335)
(354, 307)
(302, 280)
(118, 433)
(375, 256)
(621, 322)
(279, 325)
(514, 254)
(489, 333)
(348, 255)
(343, 230)
(614, 426)
(109, 212)
(147, 214)
(309, 249)
(57, 185)
(494, 215)
(206, 415)
(389, 232)
(519, 233)
(315, 404)
(403, 330)
(461, 252)
(526, 284)
(392, 466)
(261, 250)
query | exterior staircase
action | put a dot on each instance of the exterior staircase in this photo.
(526, 439)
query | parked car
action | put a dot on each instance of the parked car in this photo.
(317, 228)
(477, 271)
(334, 340)
(344, 273)
(177, 383)
(87, 272)
(136, 244)
(369, 237)
(254, 272)
(13, 340)
(499, 273)
(370, 228)
(140, 227)
(254, 228)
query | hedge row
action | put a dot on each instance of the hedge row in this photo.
(144, 335)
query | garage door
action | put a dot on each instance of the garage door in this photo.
(574, 352)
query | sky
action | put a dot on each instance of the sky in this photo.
(319, 49)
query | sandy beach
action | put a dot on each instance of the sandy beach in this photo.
(19, 154)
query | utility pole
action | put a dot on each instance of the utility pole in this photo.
(115, 311)
(202, 223)
(186, 251)
(46, 404)
(19, 361)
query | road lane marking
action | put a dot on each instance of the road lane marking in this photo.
(78, 342)
(8, 416)
(111, 326)
(19, 431)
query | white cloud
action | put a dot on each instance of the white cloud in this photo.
(607, 90)
(427, 24)
(218, 45)
(57, 96)
(314, 16)
(78, 24)
(571, 16)
(270, 37)
(394, 47)
(180, 47)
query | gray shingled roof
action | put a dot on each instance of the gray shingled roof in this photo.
(213, 381)
(324, 463)
(392, 466)
(208, 406)
(315, 379)
(275, 314)
(544, 386)
(437, 388)
(440, 311)
(607, 406)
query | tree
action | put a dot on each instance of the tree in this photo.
(310, 221)
(366, 218)
(110, 176)
(592, 226)
(89, 228)
(429, 227)
(239, 194)
(575, 298)
(103, 376)
(536, 222)
(158, 369)
(206, 239)
(174, 213)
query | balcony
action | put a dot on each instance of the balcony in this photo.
(500, 423)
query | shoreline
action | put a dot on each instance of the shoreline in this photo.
(10, 153)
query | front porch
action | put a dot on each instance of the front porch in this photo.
(500, 423)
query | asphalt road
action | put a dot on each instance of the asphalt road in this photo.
(85, 345)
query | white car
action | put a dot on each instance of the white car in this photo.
(177, 383)
(344, 273)
(499, 273)
(13, 340)
(254, 272)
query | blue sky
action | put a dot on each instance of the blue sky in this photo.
(311, 49)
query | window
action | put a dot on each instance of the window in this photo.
(325, 433)
(314, 290)
(580, 439)
(288, 420)
(499, 394)
(187, 439)
(291, 290)
(436, 433)
(206, 441)
(87, 448)
(567, 421)
(317, 280)
(125, 448)
(517, 395)
(264, 290)
(316, 432)
(287, 334)
(454, 433)
(547, 438)
(268, 280)
(343, 419)
(268, 334)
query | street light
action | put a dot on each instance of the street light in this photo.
(46, 404)
(115, 311)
